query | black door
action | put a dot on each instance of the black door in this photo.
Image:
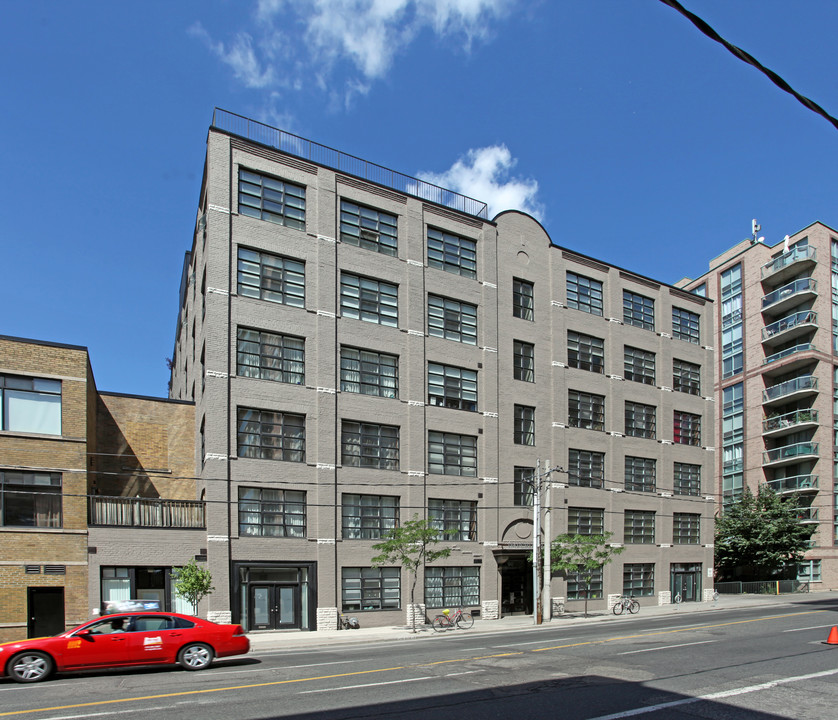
(46, 611)
(274, 607)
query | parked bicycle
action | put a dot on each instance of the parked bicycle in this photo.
(626, 603)
(447, 621)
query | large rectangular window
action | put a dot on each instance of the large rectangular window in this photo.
(457, 519)
(686, 377)
(639, 527)
(524, 429)
(271, 435)
(522, 299)
(452, 587)
(638, 310)
(584, 293)
(586, 410)
(586, 468)
(640, 474)
(576, 586)
(269, 356)
(368, 445)
(372, 301)
(686, 528)
(271, 277)
(731, 312)
(30, 499)
(368, 228)
(686, 428)
(639, 365)
(687, 479)
(452, 387)
(370, 588)
(640, 420)
(30, 405)
(585, 521)
(369, 373)
(585, 352)
(368, 517)
(685, 325)
(523, 361)
(524, 478)
(639, 579)
(266, 512)
(452, 253)
(452, 320)
(452, 454)
(271, 199)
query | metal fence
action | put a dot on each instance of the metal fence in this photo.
(145, 512)
(762, 587)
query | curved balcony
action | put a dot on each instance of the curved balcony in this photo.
(795, 388)
(790, 327)
(796, 484)
(789, 454)
(789, 422)
(807, 515)
(789, 359)
(789, 295)
(789, 263)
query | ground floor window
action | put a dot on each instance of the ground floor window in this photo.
(452, 586)
(125, 589)
(809, 571)
(576, 586)
(370, 588)
(639, 579)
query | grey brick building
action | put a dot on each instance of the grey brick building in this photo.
(363, 347)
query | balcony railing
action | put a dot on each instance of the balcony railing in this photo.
(145, 512)
(804, 317)
(789, 387)
(789, 420)
(802, 285)
(803, 347)
(789, 452)
(337, 160)
(808, 514)
(794, 484)
(795, 255)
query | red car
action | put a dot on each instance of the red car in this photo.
(140, 638)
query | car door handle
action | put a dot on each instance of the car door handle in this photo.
(117, 639)
(175, 634)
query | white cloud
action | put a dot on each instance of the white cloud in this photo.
(484, 174)
(240, 56)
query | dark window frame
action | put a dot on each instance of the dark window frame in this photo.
(452, 387)
(639, 365)
(456, 520)
(585, 521)
(452, 319)
(371, 368)
(686, 377)
(372, 588)
(363, 519)
(283, 506)
(686, 528)
(285, 352)
(523, 299)
(524, 425)
(450, 586)
(686, 479)
(586, 468)
(31, 499)
(686, 428)
(369, 228)
(457, 454)
(279, 201)
(291, 446)
(452, 253)
(584, 293)
(640, 474)
(638, 310)
(271, 278)
(686, 325)
(369, 300)
(585, 352)
(641, 420)
(639, 527)
(371, 446)
(585, 410)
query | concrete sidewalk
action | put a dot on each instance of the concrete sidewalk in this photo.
(295, 639)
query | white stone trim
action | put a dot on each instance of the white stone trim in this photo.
(217, 291)
(416, 473)
(324, 466)
(327, 314)
(416, 403)
(417, 263)
(490, 414)
(327, 391)
(490, 480)
(559, 363)
(218, 208)
(327, 239)
(490, 349)
(218, 538)
(559, 425)
(416, 333)
(216, 374)
(325, 541)
(215, 456)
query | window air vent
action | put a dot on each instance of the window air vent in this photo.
(32, 569)
(55, 569)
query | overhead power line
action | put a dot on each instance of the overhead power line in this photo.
(751, 60)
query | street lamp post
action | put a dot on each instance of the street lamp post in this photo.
(537, 604)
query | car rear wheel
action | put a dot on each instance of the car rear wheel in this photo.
(29, 667)
(195, 656)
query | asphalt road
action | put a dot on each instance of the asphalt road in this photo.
(752, 663)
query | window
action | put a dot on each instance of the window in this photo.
(687, 479)
(576, 583)
(266, 512)
(30, 405)
(639, 365)
(586, 468)
(523, 359)
(584, 293)
(640, 474)
(523, 486)
(586, 410)
(452, 586)
(638, 310)
(264, 355)
(369, 446)
(687, 428)
(451, 454)
(368, 228)
(686, 377)
(270, 199)
(30, 499)
(523, 294)
(685, 325)
(368, 517)
(271, 435)
(585, 352)
(452, 253)
(686, 528)
(639, 579)
(809, 571)
(369, 300)
(452, 387)
(456, 518)
(369, 373)
(640, 420)
(452, 320)
(524, 433)
(731, 312)
(585, 521)
(639, 527)
(370, 588)
(272, 278)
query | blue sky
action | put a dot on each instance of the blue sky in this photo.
(630, 135)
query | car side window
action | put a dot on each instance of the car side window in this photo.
(152, 624)
(181, 623)
(112, 624)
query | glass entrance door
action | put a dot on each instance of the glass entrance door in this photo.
(274, 607)
(686, 582)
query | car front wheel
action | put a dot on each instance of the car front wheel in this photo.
(30, 667)
(196, 656)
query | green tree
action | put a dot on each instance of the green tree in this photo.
(192, 583)
(410, 545)
(760, 535)
(582, 555)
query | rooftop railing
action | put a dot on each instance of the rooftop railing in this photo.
(145, 512)
(796, 254)
(337, 160)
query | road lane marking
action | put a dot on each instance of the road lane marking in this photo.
(667, 647)
(335, 662)
(814, 627)
(533, 642)
(112, 712)
(715, 696)
(368, 685)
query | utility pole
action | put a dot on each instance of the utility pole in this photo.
(536, 531)
(546, 600)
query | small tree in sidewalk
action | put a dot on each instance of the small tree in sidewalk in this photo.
(582, 556)
(192, 583)
(410, 545)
